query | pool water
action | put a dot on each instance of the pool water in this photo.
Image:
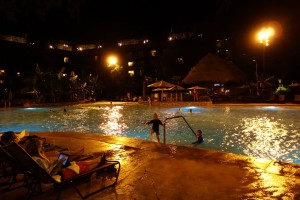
(260, 131)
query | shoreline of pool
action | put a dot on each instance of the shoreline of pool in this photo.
(153, 103)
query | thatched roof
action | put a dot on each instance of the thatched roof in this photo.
(213, 69)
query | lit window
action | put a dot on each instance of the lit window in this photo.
(18, 74)
(130, 64)
(1, 81)
(180, 60)
(153, 52)
(66, 59)
(131, 73)
(2, 72)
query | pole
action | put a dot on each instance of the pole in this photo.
(257, 83)
(144, 88)
(264, 61)
(256, 77)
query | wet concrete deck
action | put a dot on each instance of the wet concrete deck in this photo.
(150, 170)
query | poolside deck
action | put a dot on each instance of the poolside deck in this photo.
(150, 170)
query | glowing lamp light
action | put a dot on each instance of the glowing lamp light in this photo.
(112, 60)
(264, 35)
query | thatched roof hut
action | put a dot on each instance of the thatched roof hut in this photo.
(213, 69)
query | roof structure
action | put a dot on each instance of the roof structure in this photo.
(213, 69)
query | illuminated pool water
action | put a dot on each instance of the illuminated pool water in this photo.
(260, 131)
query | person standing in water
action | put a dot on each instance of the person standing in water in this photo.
(199, 137)
(155, 126)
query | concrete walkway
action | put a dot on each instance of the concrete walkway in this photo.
(150, 170)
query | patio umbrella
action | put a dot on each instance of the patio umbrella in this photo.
(294, 85)
(197, 88)
(161, 84)
(176, 88)
(159, 89)
(32, 92)
(195, 91)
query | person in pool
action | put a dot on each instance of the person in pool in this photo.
(155, 126)
(199, 137)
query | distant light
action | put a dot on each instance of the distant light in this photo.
(51, 47)
(271, 108)
(30, 108)
(170, 38)
(119, 44)
(219, 84)
(99, 46)
(131, 73)
(130, 64)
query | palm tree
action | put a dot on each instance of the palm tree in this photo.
(266, 85)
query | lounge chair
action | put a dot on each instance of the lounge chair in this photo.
(39, 176)
(13, 175)
(47, 146)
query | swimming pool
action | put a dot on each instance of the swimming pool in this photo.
(261, 131)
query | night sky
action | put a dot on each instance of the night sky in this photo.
(89, 21)
(83, 20)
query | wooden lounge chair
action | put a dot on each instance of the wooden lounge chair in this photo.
(39, 176)
(13, 175)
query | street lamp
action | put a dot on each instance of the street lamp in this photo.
(256, 76)
(264, 37)
(112, 63)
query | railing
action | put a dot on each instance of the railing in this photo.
(180, 116)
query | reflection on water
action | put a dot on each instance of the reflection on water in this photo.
(265, 132)
(263, 137)
(114, 124)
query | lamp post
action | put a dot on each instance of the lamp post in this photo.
(256, 76)
(112, 63)
(263, 37)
